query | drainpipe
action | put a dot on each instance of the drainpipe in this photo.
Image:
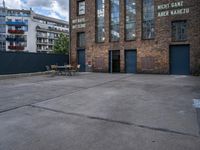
(69, 31)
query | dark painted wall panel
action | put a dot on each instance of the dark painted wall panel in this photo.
(22, 62)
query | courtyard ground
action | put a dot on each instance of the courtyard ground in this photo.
(97, 111)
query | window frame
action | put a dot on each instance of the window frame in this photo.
(78, 40)
(173, 39)
(77, 7)
(110, 37)
(142, 21)
(125, 23)
(96, 23)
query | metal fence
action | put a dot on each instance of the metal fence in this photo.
(24, 62)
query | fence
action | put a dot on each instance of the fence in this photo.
(24, 62)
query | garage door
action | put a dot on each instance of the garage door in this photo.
(180, 60)
(81, 59)
(130, 61)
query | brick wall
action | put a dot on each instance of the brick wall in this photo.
(152, 55)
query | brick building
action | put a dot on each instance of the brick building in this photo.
(136, 36)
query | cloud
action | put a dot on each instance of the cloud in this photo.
(18, 4)
(60, 9)
(43, 3)
(53, 8)
(56, 8)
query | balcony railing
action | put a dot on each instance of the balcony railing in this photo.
(11, 47)
(42, 43)
(16, 31)
(18, 15)
(15, 39)
(16, 23)
(42, 35)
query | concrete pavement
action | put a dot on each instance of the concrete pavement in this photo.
(96, 111)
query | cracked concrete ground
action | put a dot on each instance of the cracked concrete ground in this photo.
(96, 111)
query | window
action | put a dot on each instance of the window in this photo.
(18, 20)
(100, 28)
(2, 46)
(130, 20)
(2, 28)
(148, 19)
(25, 28)
(81, 7)
(179, 30)
(2, 20)
(26, 22)
(114, 20)
(81, 39)
(10, 27)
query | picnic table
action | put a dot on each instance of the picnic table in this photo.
(67, 69)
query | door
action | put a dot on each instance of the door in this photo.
(130, 61)
(81, 59)
(114, 61)
(180, 59)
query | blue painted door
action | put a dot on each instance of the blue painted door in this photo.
(130, 61)
(180, 59)
(81, 59)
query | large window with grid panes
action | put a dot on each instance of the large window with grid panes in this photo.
(100, 20)
(148, 19)
(179, 30)
(130, 19)
(114, 20)
(81, 39)
(80, 7)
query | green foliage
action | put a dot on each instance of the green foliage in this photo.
(61, 45)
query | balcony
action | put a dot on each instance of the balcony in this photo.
(15, 39)
(16, 31)
(18, 15)
(11, 47)
(42, 43)
(42, 35)
(16, 23)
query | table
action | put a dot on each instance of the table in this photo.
(65, 68)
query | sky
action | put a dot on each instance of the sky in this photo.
(52, 8)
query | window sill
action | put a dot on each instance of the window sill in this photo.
(151, 39)
(80, 15)
(99, 42)
(130, 40)
(179, 40)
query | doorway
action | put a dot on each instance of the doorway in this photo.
(114, 61)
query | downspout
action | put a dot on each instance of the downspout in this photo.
(69, 31)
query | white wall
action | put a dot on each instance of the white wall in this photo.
(31, 34)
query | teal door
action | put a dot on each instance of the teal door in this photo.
(81, 59)
(130, 61)
(180, 59)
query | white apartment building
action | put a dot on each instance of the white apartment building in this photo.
(27, 31)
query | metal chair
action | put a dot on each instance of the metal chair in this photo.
(54, 69)
(76, 69)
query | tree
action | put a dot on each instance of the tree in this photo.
(61, 45)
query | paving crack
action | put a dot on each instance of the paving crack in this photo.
(117, 121)
(75, 91)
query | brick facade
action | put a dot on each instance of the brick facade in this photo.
(152, 55)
